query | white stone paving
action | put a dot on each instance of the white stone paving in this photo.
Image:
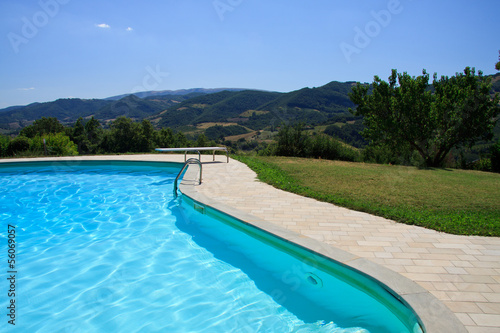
(461, 271)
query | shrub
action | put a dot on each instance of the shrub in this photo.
(293, 141)
(17, 145)
(4, 145)
(483, 164)
(378, 154)
(57, 144)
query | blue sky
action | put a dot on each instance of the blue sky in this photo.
(52, 49)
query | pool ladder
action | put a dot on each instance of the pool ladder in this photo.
(189, 161)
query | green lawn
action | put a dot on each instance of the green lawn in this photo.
(454, 201)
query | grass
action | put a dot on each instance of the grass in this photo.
(459, 202)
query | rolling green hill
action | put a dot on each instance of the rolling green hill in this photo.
(225, 106)
(65, 110)
(130, 107)
(181, 92)
(254, 109)
(330, 98)
(261, 109)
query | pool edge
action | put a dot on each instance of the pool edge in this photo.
(434, 315)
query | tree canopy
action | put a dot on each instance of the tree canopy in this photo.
(43, 126)
(409, 114)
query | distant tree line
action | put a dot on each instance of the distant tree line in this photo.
(349, 133)
(219, 132)
(47, 136)
(293, 140)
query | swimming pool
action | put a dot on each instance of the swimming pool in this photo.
(105, 247)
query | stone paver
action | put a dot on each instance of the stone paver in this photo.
(461, 271)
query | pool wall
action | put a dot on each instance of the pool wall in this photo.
(432, 314)
(314, 276)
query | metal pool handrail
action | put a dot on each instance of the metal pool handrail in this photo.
(189, 161)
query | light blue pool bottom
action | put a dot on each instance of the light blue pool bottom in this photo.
(97, 257)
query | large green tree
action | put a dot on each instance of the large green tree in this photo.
(122, 132)
(88, 137)
(94, 133)
(409, 114)
(146, 137)
(42, 126)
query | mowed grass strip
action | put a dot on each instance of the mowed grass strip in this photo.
(454, 201)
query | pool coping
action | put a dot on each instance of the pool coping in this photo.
(435, 316)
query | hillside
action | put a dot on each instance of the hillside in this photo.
(131, 107)
(310, 105)
(65, 110)
(330, 98)
(224, 106)
(180, 92)
(256, 110)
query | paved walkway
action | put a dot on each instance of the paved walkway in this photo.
(461, 271)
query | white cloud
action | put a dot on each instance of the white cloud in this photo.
(26, 89)
(103, 25)
(129, 29)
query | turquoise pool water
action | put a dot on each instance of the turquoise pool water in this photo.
(104, 247)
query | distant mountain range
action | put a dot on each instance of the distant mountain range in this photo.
(260, 109)
(145, 94)
(254, 109)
